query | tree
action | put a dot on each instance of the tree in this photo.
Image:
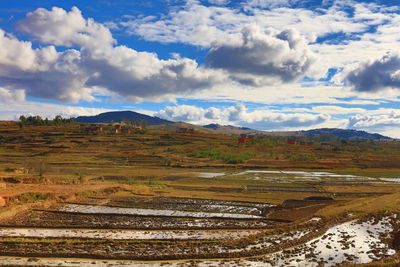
(33, 165)
(22, 118)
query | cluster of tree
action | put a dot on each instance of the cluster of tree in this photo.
(135, 124)
(39, 121)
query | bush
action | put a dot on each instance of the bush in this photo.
(300, 157)
(226, 156)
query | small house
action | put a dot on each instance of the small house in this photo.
(93, 129)
(117, 128)
(242, 140)
(186, 130)
(126, 131)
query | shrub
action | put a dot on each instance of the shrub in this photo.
(226, 156)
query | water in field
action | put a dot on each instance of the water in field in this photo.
(125, 234)
(287, 176)
(92, 209)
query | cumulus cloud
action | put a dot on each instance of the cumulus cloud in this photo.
(239, 115)
(192, 23)
(375, 122)
(11, 96)
(376, 75)
(143, 75)
(13, 110)
(202, 25)
(59, 27)
(18, 55)
(219, 2)
(262, 57)
(270, 120)
(354, 30)
(41, 72)
(182, 113)
(92, 63)
(270, 3)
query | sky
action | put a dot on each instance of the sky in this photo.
(271, 65)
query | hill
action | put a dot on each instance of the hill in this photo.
(117, 116)
(338, 133)
(174, 126)
(346, 134)
(232, 130)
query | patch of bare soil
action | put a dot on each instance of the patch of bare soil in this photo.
(54, 219)
(296, 213)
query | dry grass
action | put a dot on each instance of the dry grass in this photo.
(363, 205)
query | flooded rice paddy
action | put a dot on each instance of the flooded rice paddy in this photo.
(125, 234)
(356, 241)
(92, 209)
(284, 176)
(159, 231)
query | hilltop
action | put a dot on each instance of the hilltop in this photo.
(346, 134)
(338, 133)
(118, 116)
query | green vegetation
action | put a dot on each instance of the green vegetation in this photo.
(39, 121)
(226, 156)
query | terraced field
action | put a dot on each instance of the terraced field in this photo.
(151, 199)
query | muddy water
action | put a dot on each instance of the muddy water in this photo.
(91, 209)
(260, 174)
(355, 242)
(125, 234)
(209, 175)
(88, 263)
(17, 261)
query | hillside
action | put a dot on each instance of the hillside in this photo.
(117, 116)
(346, 134)
(232, 130)
(338, 133)
(174, 126)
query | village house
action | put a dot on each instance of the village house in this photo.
(186, 130)
(126, 131)
(117, 128)
(94, 129)
(244, 138)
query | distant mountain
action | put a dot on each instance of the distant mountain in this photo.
(338, 133)
(345, 134)
(216, 126)
(174, 126)
(232, 130)
(118, 116)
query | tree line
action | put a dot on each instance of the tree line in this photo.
(39, 121)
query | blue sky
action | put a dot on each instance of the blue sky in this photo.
(270, 65)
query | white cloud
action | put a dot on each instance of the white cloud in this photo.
(374, 121)
(270, 3)
(74, 75)
(263, 57)
(59, 27)
(200, 25)
(219, 2)
(11, 96)
(18, 55)
(376, 75)
(240, 116)
(363, 30)
(13, 110)
(337, 110)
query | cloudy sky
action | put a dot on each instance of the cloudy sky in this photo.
(263, 64)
